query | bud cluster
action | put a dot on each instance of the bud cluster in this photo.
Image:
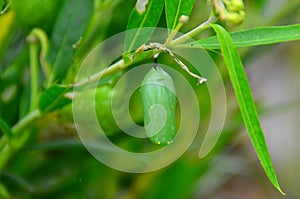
(230, 11)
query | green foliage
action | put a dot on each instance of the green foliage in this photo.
(244, 97)
(175, 9)
(55, 97)
(253, 37)
(40, 154)
(71, 23)
(137, 21)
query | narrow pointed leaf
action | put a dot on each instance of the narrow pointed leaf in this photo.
(253, 37)
(53, 98)
(69, 27)
(245, 100)
(138, 21)
(176, 8)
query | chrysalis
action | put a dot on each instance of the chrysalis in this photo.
(159, 104)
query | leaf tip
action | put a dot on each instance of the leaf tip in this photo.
(280, 190)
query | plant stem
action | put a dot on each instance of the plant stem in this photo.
(25, 121)
(12, 147)
(105, 72)
(39, 36)
(183, 19)
(121, 64)
(33, 56)
(193, 32)
(173, 34)
(9, 146)
(21, 125)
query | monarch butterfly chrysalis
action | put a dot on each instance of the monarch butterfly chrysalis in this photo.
(159, 103)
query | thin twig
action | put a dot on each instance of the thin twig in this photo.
(178, 61)
(184, 67)
(182, 20)
(193, 32)
(120, 65)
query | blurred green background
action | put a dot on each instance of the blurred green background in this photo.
(54, 163)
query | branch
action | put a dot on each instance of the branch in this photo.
(194, 32)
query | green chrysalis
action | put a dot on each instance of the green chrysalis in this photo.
(159, 104)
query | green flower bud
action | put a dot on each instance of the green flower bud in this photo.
(234, 5)
(235, 18)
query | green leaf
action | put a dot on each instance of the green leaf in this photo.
(68, 29)
(54, 98)
(1, 4)
(254, 37)
(4, 127)
(138, 21)
(176, 8)
(245, 100)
